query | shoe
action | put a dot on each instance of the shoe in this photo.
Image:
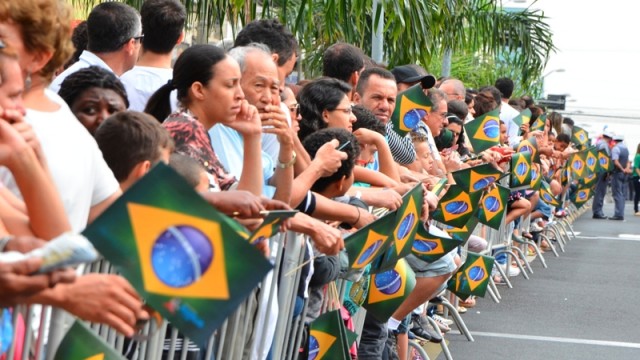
(443, 320)
(616, 218)
(422, 329)
(637, 213)
(513, 271)
(444, 328)
(560, 213)
(469, 303)
(462, 310)
(599, 216)
(534, 227)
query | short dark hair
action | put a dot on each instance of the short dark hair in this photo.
(194, 64)
(497, 95)
(365, 119)
(90, 77)
(458, 108)
(568, 121)
(162, 24)
(483, 103)
(271, 33)
(130, 137)
(315, 141)
(367, 73)
(188, 167)
(79, 38)
(317, 96)
(565, 138)
(110, 25)
(341, 60)
(505, 86)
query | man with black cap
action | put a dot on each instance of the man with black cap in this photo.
(603, 178)
(622, 167)
(409, 75)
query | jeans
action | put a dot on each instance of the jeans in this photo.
(618, 183)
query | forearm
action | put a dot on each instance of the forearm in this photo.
(373, 178)
(302, 160)
(329, 210)
(251, 178)
(283, 177)
(385, 159)
(303, 183)
(44, 206)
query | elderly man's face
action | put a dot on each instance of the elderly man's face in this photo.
(379, 97)
(260, 82)
(436, 120)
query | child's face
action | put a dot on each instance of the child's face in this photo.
(203, 185)
(424, 155)
(560, 146)
(367, 154)
(504, 136)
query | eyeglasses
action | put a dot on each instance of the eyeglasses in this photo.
(347, 110)
(295, 108)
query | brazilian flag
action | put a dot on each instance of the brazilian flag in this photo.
(270, 225)
(564, 175)
(589, 180)
(547, 196)
(484, 131)
(523, 118)
(476, 178)
(387, 290)
(579, 136)
(404, 227)
(536, 177)
(456, 206)
(577, 164)
(520, 171)
(493, 206)
(439, 186)
(604, 162)
(581, 196)
(463, 233)
(186, 259)
(473, 277)
(370, 241)
(591, 160)
(81, 343)
(432, 244)
(538, 124)
(328, 337)
(411, 106)
(529, 145)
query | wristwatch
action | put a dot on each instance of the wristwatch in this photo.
(289, 163)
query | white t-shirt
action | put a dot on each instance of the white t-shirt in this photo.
(507, 114)
(142, 81)
(80, 174)
(86, 59)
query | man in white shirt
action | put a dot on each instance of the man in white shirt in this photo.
(507, 112)
(162, 24)
(114, 32)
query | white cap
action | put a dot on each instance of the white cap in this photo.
(618, 137)
(609, 134)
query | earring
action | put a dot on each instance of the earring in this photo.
(27, 82)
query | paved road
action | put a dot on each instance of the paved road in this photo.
(584, 306)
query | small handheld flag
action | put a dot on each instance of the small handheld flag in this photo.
(604, 162)
(520, 171)
(270, 225)
(581, 196)
(536, 177)
(493, 206)
(387, 290)
(577, 164)
(463, 232)
(328, 337)
(473, 277)
(538, 124)
(456, 206)
(591, 160)
(547, 196)
(530, 145)
(81, 343)
(484, 131)
(523, 118)
(366, 244)
(579, 136)
(411, 106)
(476, 178)
(432, 244)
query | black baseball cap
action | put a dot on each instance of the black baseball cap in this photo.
(409, 74)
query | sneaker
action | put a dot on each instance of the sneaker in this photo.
(422, 329)
(443, 320)
(444, 328)
(637, 213)
(534, 227)
(513, 270)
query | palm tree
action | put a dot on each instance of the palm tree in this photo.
(415, 31)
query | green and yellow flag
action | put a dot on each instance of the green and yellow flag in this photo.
(81, 343)
(604, 162)
(432, 244)
(588, 181)
(547, 196)
(463, 233)
(484, 131)
(564, 175)
(456, 206)
(577, 164)
(538, 124)
(270, 225)
(591, 160)
(529, 145)
(473, 277)
(493, 206)
(186, 259)
(520, 171)
(580, 136)
(523, 118)
(387, 290)
(581, 196)
(476, 178)
(536, 177)
(328, 338)
(411, 106)
(369, 242)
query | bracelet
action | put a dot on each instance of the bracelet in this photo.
(5, 240)
(358, 219)
(289, 163)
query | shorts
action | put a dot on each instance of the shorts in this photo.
(443, 266)
(545, 209)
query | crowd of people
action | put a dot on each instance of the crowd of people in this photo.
(75, 134)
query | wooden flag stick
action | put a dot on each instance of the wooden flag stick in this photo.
(293, 271)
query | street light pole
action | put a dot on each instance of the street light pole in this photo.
(547, 74)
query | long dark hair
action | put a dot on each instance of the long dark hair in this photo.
(195, 64)
(454, 119)
(316, 97)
